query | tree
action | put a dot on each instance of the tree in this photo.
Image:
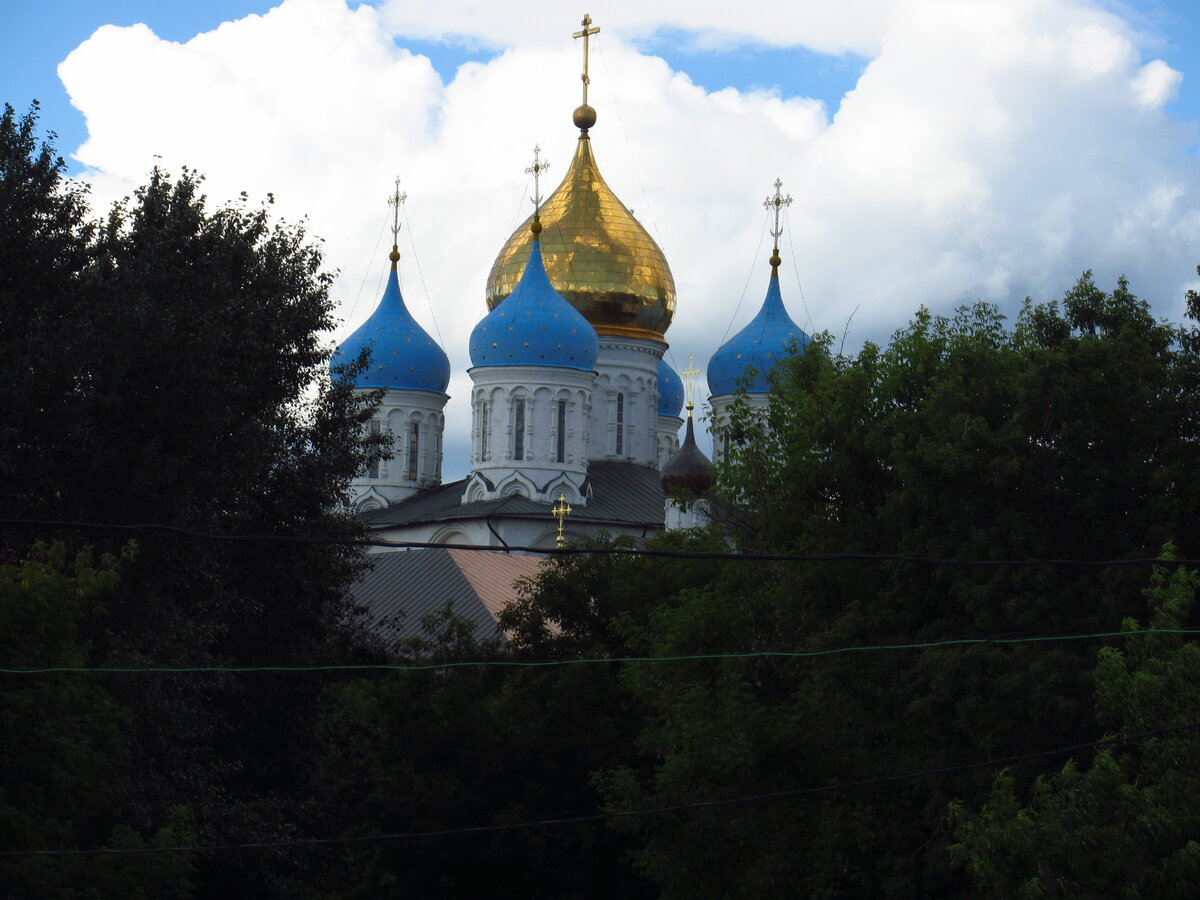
(1071, 434)
(1126, 822)
(169, 365)
(64, 752)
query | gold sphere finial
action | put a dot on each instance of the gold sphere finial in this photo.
(584, 117)
(394, 256)
(536, 227)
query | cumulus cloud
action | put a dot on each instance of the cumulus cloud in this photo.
(989, 150)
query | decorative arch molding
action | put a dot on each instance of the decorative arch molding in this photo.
(517, 485)
(369, 500)
(564, 485)
(548, 538)
(450, 534)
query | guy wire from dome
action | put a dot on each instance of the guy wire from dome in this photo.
(596, 254)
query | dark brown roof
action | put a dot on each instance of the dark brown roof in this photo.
(404, 586)
(623, 495)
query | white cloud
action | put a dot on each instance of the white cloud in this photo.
(990, 149)
(1156, 83)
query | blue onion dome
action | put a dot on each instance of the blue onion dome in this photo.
(535, 326)
(403, 355)
(759, 345)
(670, 391)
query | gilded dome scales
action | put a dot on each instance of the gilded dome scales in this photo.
(597, 255)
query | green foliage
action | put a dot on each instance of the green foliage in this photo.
(63, 756)
(462, 747)
(1071, 434)
(1126, 824)
(169, 365)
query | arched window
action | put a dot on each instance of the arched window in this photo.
(561, 450)
(519, 428)
(483, 431)
(620, 447)
(414, 445)
(373, 469)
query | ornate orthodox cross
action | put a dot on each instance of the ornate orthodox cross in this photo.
(779, 203)
(560, 511)
(586, 33)
(536, 170)
(394, 202)
(690, 376)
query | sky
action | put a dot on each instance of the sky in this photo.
(938, 152)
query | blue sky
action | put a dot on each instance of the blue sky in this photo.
(939, 151)
(41, 34)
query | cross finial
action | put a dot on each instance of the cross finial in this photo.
(539, 166)
(586, 33)
(778, 203)
(536, 170)
(394, 202)
(560, 511)
(690, 377)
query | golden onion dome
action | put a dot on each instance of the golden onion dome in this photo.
(598, 256)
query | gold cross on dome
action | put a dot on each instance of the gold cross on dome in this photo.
(536, 170)
(586, 33)
(560, 511)
(779, 203)
(690, 378)
(394, 202)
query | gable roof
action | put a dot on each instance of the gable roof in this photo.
(402, 587)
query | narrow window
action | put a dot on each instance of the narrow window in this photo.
(373, 469)
(483, 431)
(620, 424)
(414, 443)
(518, 429)
(438, 464)
(561, 455)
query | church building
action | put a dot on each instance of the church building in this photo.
(573, 405)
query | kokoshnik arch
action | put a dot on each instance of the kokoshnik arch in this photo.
(571, 397)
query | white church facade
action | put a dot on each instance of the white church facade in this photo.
(570, 395)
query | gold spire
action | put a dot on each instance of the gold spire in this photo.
(394, 202)
(690, 377)
(779, 203)
(536, 170)
(560, 511)
(597, 255)
(584, 116)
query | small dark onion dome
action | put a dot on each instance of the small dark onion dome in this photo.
(403, 355)
(766, 339)
(688, 468)
(670, 391)
(535, 326)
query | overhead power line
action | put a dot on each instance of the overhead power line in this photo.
(575, 550)
(619, 814)
(553, 663)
